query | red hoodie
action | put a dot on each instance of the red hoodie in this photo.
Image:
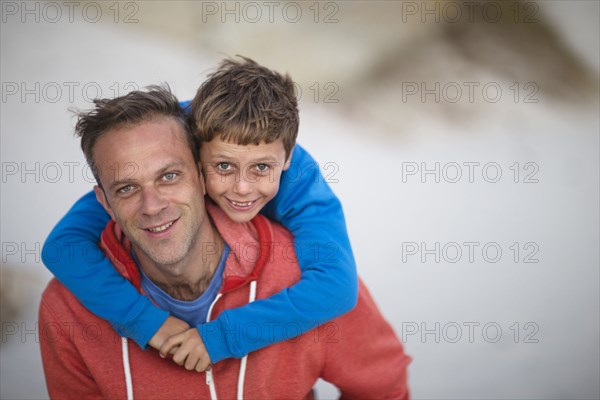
(359, 353)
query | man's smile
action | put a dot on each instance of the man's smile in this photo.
(161, 228)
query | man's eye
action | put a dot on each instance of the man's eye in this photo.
(169, 176)
(125, 189)
(224, 166)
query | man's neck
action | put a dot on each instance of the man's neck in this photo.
(187, 291)
(188, 279)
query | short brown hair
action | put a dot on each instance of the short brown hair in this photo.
(133, 108)
(246, 103)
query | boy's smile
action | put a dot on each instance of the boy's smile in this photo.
(241, 179)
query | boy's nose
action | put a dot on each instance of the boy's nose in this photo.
(242, 186)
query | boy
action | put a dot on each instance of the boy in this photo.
(247, 123)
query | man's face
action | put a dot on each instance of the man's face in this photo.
(242, 179)
(153, 189)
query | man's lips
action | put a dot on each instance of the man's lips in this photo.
(161, 228)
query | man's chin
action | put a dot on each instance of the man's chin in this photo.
(167, 259)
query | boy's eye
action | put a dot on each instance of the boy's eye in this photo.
(262, 167)
(169, 176)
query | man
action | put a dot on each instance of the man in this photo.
(165, 239)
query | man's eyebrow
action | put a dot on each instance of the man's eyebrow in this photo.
(131, 174)
(120, 182)
(173, 165)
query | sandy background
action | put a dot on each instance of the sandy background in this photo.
(385, 96)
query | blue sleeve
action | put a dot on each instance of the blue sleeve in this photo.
(328, 287)
(72, 254)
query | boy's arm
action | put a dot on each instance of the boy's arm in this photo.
(72, 254)
(307, 206)
(328, 286)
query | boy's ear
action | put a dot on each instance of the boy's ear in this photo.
(289, 159)
(101, 197)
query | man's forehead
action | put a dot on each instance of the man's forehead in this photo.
(145, 147)
(162, 123)
(136, 136)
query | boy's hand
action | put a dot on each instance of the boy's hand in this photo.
(188, 350)
(171, 326)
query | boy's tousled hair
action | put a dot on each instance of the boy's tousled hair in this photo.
(246, 103)
(134, 108)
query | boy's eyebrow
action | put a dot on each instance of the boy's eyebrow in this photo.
(131, 175)
(225, 156)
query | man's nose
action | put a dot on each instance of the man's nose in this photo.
(153, 201)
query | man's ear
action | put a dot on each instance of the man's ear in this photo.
(289, 159)
(101, 197)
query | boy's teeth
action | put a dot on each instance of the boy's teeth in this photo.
(161, 228)
(246, 204)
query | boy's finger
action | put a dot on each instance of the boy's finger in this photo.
(203, 359)
(182, 353)
(171, 351)
(195, 358)
(169, 345)
(191, 361)
(203, 365)
(199, 367)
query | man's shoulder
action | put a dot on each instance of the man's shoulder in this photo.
(55, 291)
(279, 231)
(59, 301)
(281, 267)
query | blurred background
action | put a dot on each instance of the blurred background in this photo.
(462, 138)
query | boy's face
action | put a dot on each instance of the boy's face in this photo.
(242, 179)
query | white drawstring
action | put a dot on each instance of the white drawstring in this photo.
(242, 374)
(211, 384)
(127, 368)
(212, 305)
(209, 375)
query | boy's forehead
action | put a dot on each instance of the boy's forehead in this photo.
(231, 149)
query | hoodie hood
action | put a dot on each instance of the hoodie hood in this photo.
(250, 244)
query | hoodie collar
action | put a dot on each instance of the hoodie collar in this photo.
(250, 244)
